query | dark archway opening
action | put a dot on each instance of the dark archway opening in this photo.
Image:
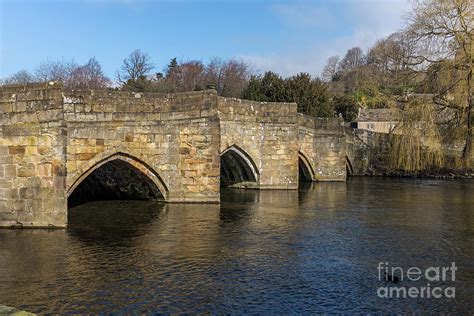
(304, 172)
(115, 180)
(237, 170)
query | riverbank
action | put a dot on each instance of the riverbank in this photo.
(444, 174)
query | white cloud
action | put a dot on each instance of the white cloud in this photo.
(365, 22)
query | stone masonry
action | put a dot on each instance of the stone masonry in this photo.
(267, 133)
(322, 147)
(52, 141)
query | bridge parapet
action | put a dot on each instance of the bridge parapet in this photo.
(90, 105)
(325, 125)
(255, 109)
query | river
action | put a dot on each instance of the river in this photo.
(279, 252)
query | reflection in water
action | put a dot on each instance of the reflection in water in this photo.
(98, 221)
(312, 250)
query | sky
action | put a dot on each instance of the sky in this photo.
(283, 36)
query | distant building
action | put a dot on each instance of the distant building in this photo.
(378, 120)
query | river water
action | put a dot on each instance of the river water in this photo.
(283, 252)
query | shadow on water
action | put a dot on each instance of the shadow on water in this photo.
(113, 221)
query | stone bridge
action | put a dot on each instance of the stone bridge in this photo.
(60, 148)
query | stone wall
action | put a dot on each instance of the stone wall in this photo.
(267, 133)
(32, 156)
(368, 152)
(358, 151)
(322, 145)
(172, 138)
(378, 154)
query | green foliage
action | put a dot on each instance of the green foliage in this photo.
(141, 84)
(347, 106)
(267, 88)
(311, 95)
(253, 91)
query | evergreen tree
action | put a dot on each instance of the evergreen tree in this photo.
(172, 66)
(311, 95)
(267, 88)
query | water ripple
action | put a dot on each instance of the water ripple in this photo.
(266, 252)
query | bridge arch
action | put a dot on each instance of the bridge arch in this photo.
(123, 167)
(306, 171)
(238, 168)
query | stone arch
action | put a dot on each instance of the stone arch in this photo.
(349, 168)
(238, 168)
(305, 169)
(135, 163)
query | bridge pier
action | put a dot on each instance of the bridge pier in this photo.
(266, 133)
(84, 145)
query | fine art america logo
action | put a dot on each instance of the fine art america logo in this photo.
(397, 279)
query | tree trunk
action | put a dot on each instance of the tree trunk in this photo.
(467, 156)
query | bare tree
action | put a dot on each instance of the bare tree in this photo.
(389, 59)
(20, 77)
(330, 69)
(442, 30)
(391, 53)
(353, 58)
(56, 70)
(72, 75)
(236, 76)
(214, 72)
(136, 66)
(188, 76)
(230, 77)
(89, 76)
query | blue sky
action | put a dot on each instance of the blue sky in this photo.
(283, 36)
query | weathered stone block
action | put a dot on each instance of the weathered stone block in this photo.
(27, 193)
(16, 150)
(85, 156)
(45, 170)
(6, 107)
(26, 170)
(18, 205)
(128, 137)
(31, 150)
